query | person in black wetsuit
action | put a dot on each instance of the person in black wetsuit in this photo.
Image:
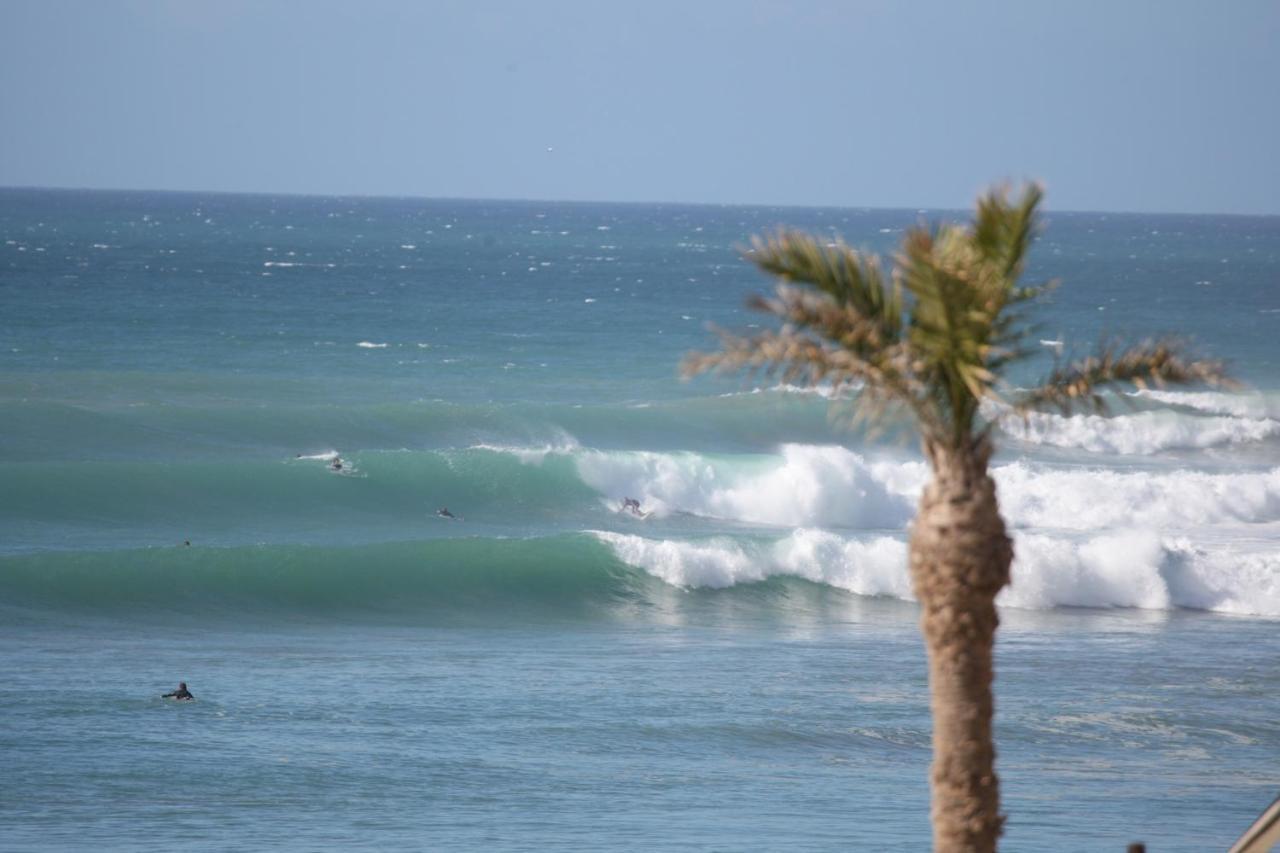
(181, 693)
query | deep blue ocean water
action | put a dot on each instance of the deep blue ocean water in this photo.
(738, 670)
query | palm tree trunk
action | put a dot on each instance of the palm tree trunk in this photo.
(960, 557)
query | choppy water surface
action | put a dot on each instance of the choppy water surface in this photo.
(739, 669)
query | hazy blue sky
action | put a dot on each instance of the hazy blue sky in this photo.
(1115, 104)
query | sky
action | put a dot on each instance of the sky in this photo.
(1115, 105)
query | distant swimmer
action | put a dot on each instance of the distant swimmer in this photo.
(443, 512)
(181, 693)
(632, 506)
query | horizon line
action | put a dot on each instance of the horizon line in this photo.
(519, 200)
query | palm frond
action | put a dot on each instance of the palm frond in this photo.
(821, 315)
(798, 358)
(787, 354)
(952, 324)
(965, 325)
(850, 278)
(1003, 231)
(1156, 363)
(821, 340)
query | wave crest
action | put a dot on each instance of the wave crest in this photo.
(804, 486)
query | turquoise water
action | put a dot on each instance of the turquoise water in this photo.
(740, 669)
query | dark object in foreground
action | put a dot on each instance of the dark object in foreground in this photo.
(181, 693)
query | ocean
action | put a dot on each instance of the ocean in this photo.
(737, 667)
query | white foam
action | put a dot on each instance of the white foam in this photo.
(1144, 433)
(1227, 580)
(1124, 569)
(563, 445)
(825, 391)
(803, 487)
(1116, 569)
(1099, 498)
(1140, 569)
(371, 345)
(876, 567)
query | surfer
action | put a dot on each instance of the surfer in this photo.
(181, 693)
(336, 464)
(443, 512)
(631, 505)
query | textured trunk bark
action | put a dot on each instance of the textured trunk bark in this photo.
(960, 557)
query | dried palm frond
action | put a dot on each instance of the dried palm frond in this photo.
(1156, 363)
(849, 278)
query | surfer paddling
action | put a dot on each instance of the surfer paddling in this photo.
(443, 512)
(181, 693)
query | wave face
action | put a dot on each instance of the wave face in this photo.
(472, 576)
(515, 362)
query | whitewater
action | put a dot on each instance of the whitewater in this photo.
(179, 372)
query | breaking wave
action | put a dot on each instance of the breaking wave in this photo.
(803, 486)
(1124, 569)
(1141, 433)
(827, 486)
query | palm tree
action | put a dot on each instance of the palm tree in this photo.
(934, 340)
